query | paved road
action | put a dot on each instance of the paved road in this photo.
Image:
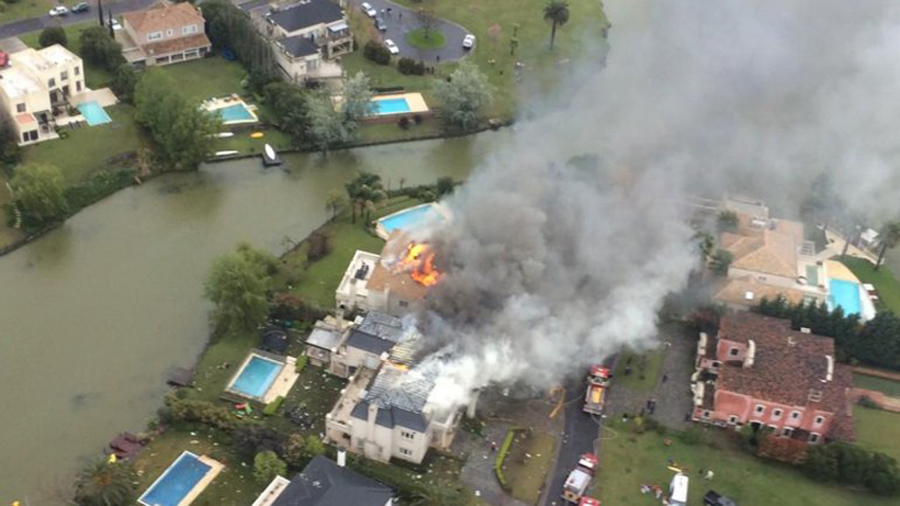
(21, 26)
(402, 20)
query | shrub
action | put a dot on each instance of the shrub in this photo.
(867, 402)
(302, 360)
(273, 406)
(98, 48)
(299, 449)
(250, 439)
(267, 465)
(501, 456)
(404, 122)
(377, 53)
(408, 66)
(53, 35)
(201, 412)
(851, 465)
(418, 119)
(691, 436)
(319, 246)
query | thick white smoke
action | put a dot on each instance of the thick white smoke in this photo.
(564, 244)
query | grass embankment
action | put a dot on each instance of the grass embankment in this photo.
(645, 370)
(878, 430)
(24, 9)
(527, 463)
(494, 23)
(883, 385)
(628, 461)
(94, 77)
(883, 280)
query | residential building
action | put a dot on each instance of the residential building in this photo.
(307, 37)
(36, 87)
(769, 258)
(163, 34)
(380, 282)
(325, 483)
(757, 371)
(344, 347)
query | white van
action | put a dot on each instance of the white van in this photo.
(678, 490)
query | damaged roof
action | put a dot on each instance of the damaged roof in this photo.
(379, 333)
(400, 395)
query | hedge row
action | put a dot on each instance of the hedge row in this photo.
(501, 456)
(273, 406)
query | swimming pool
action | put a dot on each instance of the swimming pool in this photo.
(176, 482)
(237, 113)
(409, 219)
(256, 377)
(390, 106)
(845, 294)
(93, 113)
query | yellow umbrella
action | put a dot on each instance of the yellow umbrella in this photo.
(112, 458)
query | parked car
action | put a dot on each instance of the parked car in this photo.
(368, 9)
(391, 47)
(468, 41)
(380, 25)
(116, 25)
(713, 498)
(81, 7)
(59, 11)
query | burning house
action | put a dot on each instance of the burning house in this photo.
(394, 282)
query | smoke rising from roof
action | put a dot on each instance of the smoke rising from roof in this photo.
(564, 244)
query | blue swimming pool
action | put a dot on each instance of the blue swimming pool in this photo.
(845, 294)
(94, 114)
(410, 219)
(176, 482)
(235, 113)
(390, 106)
(256, 377)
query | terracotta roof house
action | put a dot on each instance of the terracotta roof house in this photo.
(163, 34)
(758, 371)
(325, 483)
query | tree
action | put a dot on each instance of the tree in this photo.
(39, 194)
(53, 35)
(444, 185)
(98, 48)
(183, 131)
(228, 27)
(326, 124)
(427, 21)
(357, 101)
(267, 465)
(289, 104)
(237, 286)
(365, 189)
(102, 483)
(377, 53)
(251, 440)
(314, 446)
(266, 262)
(335, 202)
(123, 82)
(9, 147)
(727, 221)
(557, 13)
(100, 11)
(889, 237)
(720, 261)
(463, 96)
(706, 243)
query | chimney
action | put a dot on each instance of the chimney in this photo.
(751, 354)
(473, 403)
(342, 458)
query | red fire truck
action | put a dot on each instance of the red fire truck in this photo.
(580, 478)
(597, 382)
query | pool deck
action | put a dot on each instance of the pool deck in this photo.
(837, 270)
(282, 383)
(216, 103)
(415, 100)
(215, 467)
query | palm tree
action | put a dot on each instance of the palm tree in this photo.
(102, 483)
(890, 237)
(557, 13)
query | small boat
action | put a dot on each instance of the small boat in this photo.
(225, 135)
(228, 152)
(270, 157)
(256, 135)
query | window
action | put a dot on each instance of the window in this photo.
(169, 32)
(706, 414)
(732, 419)
(51, 83)
(64, 76)
(733, 352)
(77, 71)
(188, 29)
(154, 36)
(405, 451)
(787, 431)
(813, 438)
(20, 107)
(403, 303)
(776, 414)
(795, 415)
(77, 85)
(407, 435)
(760, 409)
(819, 421)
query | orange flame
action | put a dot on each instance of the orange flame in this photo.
(420, 259)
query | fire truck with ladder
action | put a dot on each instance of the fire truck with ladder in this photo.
(579, 479)
(597, 383)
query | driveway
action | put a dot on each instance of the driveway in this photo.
(402, 20)
(14, 28)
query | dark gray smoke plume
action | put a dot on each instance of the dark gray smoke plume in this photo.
(563, 246)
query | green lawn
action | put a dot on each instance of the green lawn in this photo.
(878, 430)
(382, 132)
(208, 77)
(645, 370)
(543, 67)
(883, 279)
(94, 77)
(24, 9)
(628, 461)
(884, 385)
(88, 149)
(422, 39)
(527, 463)
(246, 144)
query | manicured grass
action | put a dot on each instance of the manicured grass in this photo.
(392, 132)
(88, 148)
(628, 461)
(883, 279)
(94, 77)
(248, 145)
(235, 484)
(219, 362)
(422, 39)
(24, 9)
(209, 77)
(317, 392)
(886, 386)
(527, 463)
(645, 370)
(878, 430)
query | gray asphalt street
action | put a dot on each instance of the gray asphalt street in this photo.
(14, 28)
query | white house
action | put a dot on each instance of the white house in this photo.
(326, 483)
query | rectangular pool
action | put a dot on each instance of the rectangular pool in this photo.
(93, 113)
(409, 219)
(256, 377)
(846, 295)
(237, 113)
(176, 482)
(390, 106)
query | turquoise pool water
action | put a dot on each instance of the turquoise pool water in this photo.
(176, 482)
(94, 114)
(235, 113)
(390, 106)
(409, 219)
(845, 294)
(257, 377)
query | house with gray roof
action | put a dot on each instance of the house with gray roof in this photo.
(365, 342)
(325, 483)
